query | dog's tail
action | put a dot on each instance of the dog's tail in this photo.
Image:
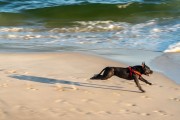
(98, 76)
(102, 71)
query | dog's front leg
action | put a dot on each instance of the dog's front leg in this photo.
(144, 80)
(137, 83)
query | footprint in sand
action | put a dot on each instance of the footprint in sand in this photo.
(54, 112)
(160, 86)
(145, 97)
(77, 110)
(25, 109)
(174, 88)
(4, 85)
(59, 101)
(160, 112)
(59, 87)
(157, 85)
(26, 73)
(31, 87)
(88, 92)
(74, 87)
(15, 72)
(21, 107)
(86, 100)
(130, 104)
(2, 114)
(62, 101)
(104, 112)
(145, 114)
(175, 99)
(88, 113)
(10, 71)
(116, 94)
(89, 101)
(124, 111)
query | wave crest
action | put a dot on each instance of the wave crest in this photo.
(173, 48)
(91, 26)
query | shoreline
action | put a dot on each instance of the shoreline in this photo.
(132, 57)
(115, 59)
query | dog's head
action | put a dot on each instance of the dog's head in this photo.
(146, 69)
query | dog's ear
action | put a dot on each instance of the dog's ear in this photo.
(143, 64)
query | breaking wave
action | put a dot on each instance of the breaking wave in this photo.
(173, 48)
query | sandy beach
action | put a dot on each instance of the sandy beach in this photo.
(56, 86)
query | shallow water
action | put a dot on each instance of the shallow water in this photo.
(153, 35)
(168, 64)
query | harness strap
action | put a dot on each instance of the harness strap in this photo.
(131, 72)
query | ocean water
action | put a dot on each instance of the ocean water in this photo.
(104, 27)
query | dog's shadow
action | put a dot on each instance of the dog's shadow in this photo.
(54, 81)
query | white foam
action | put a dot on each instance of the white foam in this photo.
(149, 35)
(22, 29)
(91, 26)
(27, 37)
(173, 48)
(124, 5)
(156, 30)
(12, 36)
(14, 29)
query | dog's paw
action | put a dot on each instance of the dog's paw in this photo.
(143, 91)
(96, 76)
(93, 77)
(150, 83)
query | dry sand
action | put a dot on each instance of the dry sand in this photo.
(57, 87)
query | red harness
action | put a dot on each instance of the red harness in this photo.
(131, 72)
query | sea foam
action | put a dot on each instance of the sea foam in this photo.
(173, 48)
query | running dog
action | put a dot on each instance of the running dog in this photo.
(129, 73)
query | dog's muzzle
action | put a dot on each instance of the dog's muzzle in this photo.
(148, 73)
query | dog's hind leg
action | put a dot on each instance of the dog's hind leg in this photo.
(98, 76)
(108, 73)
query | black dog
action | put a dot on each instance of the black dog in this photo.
(130, 73)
